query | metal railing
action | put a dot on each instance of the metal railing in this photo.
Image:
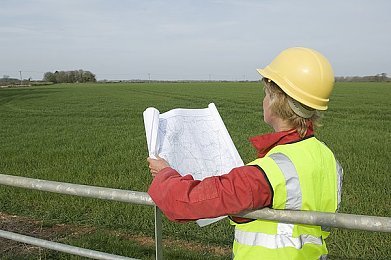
(339, 220)
(82, 191)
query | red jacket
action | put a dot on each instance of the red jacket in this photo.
(243, 188)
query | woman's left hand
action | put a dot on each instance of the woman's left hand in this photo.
(156, 165)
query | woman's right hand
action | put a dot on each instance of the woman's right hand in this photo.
(156, 165)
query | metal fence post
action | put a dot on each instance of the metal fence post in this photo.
(158, 234)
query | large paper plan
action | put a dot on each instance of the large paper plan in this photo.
(193, 141)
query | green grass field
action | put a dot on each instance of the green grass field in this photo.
(94, 134)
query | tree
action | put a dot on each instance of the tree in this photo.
(88, 77)
(69, 76)
(50, 77)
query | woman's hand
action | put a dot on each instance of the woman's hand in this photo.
(155, 165)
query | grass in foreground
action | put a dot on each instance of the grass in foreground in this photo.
(94, 135)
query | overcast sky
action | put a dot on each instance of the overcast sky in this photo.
(180, 39)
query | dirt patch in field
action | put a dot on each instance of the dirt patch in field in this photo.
(191, 246)
(36, 228)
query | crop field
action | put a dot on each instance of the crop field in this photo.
(93, 134)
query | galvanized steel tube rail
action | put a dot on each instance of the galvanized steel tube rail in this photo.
(339, 220)
(61, 247)
(84, 191)
(77, 189)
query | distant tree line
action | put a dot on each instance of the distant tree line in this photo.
(73, 76)
(382, 77)
(7, 80)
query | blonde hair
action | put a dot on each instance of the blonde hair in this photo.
(279, 106)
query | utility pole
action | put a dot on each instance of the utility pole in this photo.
(149, 77)
(21, 79)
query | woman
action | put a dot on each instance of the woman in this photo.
(293, 171)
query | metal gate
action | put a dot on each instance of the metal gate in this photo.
(339, 220)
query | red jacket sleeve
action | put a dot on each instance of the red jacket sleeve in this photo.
(183, 198)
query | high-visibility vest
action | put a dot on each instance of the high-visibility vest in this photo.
(303, 176)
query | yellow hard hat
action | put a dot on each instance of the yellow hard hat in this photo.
(303, 74)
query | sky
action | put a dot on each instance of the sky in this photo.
(183, 39)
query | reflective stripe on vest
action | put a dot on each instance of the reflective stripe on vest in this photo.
(292, 183)
(339, 193)
(274, 241)
(339, 183)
